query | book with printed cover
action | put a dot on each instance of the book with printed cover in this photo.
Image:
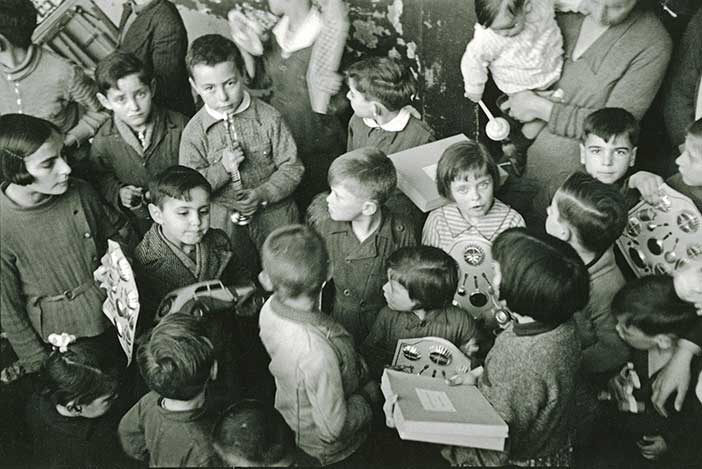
(430, 410)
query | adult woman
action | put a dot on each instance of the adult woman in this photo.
(615, 56)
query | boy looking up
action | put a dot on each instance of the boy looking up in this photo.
(319, 377)
(240, 144)
(138, 143)
(360, 234)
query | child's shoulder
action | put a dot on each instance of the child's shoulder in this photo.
(174, 119)
(420, 129)
(151, 247)
(693, 192)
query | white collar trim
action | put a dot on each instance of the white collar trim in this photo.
(398, 123)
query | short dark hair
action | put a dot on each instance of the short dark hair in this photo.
(83, 373)
(594, 210)
(178, 357)
(296, 260)
(610, 122)
(462, 159)
(213, 49)
(254, 431)
(383, 80)
(368, 171)
(542, 276)
(176, 182)
(20, 136)
(428, 273)
(651, 305)
(487, 10)
(118, 65)
(18, 20)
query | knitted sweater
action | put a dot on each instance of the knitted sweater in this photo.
(529, 379)
(48, 86)
(45, 251)
(624, 68)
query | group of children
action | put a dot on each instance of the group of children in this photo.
(217, 197)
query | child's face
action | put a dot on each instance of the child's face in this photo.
(344, 204)
(220, 86)
(474, 195)
(362, 107)
(633, 336)
(130, 101)
(610, 12)
(98, 407)
(509, 24)
(607, 160)
(397, 296)
(690, 162)
(48, 167)
(184, 222)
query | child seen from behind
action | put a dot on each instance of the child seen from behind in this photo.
(530, 373)
(320, 378)
(171, 425)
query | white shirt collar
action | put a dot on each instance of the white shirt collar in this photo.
(303, 37)
(220, 116)
(398, 123)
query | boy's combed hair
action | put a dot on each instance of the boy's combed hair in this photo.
(651, 305)
(213, 49)
(610, 122)
(20, 136)
(542, 277)
(296, 260)
(594, 210)
(487, 10)
(253, 431)
(18, 20)
(384, 80)
(367, 171)
(118, 65)
(81, 374)
(176, 182)
(428, 273)
(461, 160)
(178, 357)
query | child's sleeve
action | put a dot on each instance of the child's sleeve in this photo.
(131, 434)
(430, 232)
(106, 181)
(170, 44)
(375, 349)
(289, 168)
(193, 154)
(479, 54)
(14, 321)
(334, 414)
(82, 90)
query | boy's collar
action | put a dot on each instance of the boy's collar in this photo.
(397, 123)
(288, 312)
(220, 116)
(140, 8)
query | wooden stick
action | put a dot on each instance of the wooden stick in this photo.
(486, 110)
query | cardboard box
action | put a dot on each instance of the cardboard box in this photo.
(416, 172)
(430, 410)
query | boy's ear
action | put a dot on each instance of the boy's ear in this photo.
(664, 341)
(370, 207)
(4, 44)
(214, 370)
(632, 161)
(565, 233)
(265, 281)
(193, 85)
(378, 109)
(155, 213)
(71, 408)
(104, 101)
(152, 86)
(582, 153)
